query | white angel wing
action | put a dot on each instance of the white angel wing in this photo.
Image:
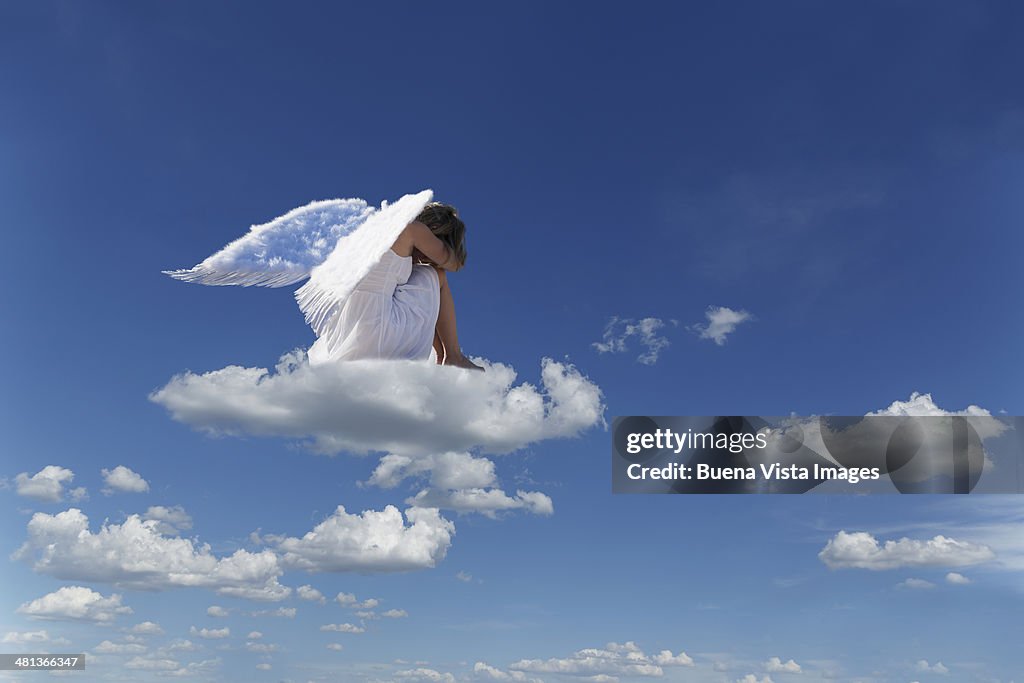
(331, 282)
(283, 251)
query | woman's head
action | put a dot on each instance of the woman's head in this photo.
(443, 220)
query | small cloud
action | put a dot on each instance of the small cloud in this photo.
(343, 628)
(148, 628)
(776, 665)
(957, 579)
(721, 322)
(46, 485)
(861, 550)
(311, 594)
(937, 668)
(75, 603)
(124, 480)
(619, 330)
(210, 633)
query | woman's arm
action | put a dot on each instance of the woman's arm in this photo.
(417, 237)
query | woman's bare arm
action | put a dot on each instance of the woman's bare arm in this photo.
(417, 237)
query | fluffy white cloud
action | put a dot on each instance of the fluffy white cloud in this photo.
(614, 660)
(721, 322)
(487, 502)
(618, 331)
(915, 584)
(486, 672)
(170, 520)
(75, 603)
(134, 554)
(862, 551)
(216, 611)
(46, 485)
(403, 407)
(31, 638)
(375, 541)
(148, 628)
(343, 628)
(957, 579)
(123, 479)
(111, 648)
(776, 665)
(210, 633)
(423, 676)
(309, 593)
(937, 668)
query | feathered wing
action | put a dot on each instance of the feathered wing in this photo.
(283, 251)
(331, 282)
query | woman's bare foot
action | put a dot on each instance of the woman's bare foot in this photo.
(461, 361)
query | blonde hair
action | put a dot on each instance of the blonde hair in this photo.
(443, 220)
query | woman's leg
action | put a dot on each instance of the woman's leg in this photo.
(446, 332)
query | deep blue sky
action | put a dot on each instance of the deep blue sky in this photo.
(848, 173)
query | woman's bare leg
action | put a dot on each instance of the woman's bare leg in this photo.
(446, 332)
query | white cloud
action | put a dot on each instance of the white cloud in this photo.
(170, 520)
(721, 322)
(374, 541)
(343, 628)
(46, 485)
(484, 671)
(776, 665)
(134, 554)
(337, 647)
(75, 603)
(309, 593)
(862, 551)
(111, 648)
(615, 660)
(210, 633)
(216, 611)
(394, 614)
(937, 668)
(148, 628)
(423, 676)
(488, 502)
(619, 330)
(123, 479)
(405, 407)
(957, 579)
(31, 638)
(915, 584)
(287, 612)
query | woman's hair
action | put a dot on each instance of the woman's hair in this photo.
(443, 220)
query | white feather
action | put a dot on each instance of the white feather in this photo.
(282, 251)
(331, 282)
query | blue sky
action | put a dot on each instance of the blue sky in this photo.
(845, 175)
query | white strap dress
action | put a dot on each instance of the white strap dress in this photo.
(391, 314)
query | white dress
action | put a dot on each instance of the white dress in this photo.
(391, 314)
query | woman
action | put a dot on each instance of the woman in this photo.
(403, 308)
